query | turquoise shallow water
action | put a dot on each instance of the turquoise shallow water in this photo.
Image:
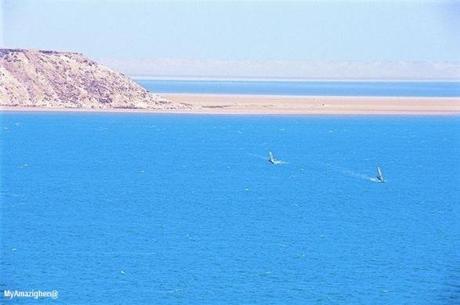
(165, 209)
(308, 88)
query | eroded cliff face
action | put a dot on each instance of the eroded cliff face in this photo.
(50, 79)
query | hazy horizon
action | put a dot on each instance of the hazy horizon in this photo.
(247, 39)
(308, 70)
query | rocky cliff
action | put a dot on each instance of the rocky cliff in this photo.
(50, 79)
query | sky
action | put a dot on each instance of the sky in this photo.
(137, 32)
(1, 24)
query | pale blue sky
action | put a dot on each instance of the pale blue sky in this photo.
(236, 30)
(390, 39)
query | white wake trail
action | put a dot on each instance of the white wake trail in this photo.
(258, 156)
(350, 173)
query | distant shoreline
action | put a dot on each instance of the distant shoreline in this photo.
(294, 79)
(216, 104)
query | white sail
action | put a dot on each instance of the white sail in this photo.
(272, 159)
(380, 175)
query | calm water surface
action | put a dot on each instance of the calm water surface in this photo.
(309, 88)
(164, 209)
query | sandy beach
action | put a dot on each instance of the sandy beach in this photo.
(289, 105)
(257, 104)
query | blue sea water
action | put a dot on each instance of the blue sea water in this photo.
(308, 88)
(166, 209)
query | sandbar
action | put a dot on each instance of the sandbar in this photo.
(288, 105)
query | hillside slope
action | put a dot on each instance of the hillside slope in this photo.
(50, 79)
